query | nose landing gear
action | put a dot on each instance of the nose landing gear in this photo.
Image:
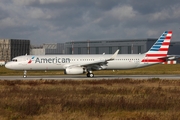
(25, 74)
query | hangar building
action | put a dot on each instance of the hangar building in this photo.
(48, 49)
(10, 48)
(129, 46)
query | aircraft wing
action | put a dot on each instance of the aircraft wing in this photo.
(102, 61)
(95, 63)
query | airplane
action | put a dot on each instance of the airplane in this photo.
(87, 63)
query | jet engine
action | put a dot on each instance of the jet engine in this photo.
(75, 70)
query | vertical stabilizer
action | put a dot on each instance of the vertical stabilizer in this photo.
(160, 49)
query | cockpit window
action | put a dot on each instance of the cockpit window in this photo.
(14, 60)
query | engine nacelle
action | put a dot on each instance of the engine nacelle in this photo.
(75, 70)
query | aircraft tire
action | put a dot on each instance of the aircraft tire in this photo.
(90, 75)
(24, 76)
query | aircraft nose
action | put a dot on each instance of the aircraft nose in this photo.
(7, 65)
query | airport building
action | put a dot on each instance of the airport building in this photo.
(174, 48)
(133, 46)
(10, 48)
(48, 49)
(37, 50)
(57, 48)
(129, 46)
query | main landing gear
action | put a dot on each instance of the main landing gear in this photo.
(25, 74)
(90, 74)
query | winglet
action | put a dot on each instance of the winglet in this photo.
(113, 56)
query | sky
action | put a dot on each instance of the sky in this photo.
(59, 21)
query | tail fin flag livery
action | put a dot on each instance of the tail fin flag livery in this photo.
(158, 52)
(87, 63)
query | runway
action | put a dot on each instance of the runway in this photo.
(83, 77)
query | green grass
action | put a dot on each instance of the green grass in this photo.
(156, 69)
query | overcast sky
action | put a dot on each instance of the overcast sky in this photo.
(59, 21)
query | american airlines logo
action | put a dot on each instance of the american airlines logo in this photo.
(30, 61)
(50, 60)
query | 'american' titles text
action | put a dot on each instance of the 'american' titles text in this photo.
(52, 60)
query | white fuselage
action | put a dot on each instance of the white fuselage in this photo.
(61, 62)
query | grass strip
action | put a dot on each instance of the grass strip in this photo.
(152, 99)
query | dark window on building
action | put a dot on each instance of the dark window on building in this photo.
(79, 50)
(139, 49)
(97, 50)
(129, 49)
(110, 50)
(70, 50)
